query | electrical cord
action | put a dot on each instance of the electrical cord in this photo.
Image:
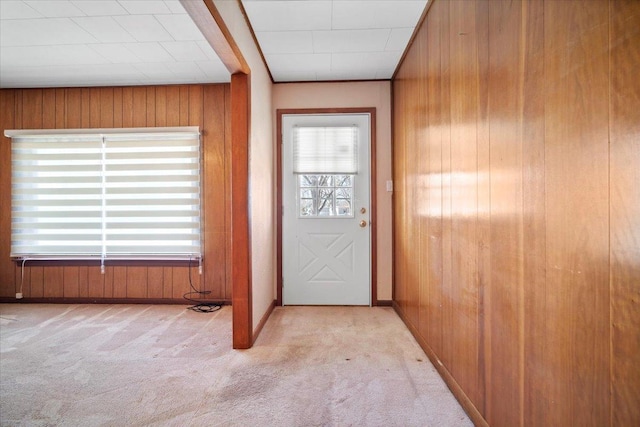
(199, 306)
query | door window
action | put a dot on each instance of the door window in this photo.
(325, 196)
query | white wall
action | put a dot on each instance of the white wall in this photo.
(346, 95)
(262, 175)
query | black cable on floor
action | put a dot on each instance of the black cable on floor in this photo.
(199, 306)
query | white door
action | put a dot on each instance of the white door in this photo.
(326, 231)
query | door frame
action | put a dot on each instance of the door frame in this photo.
(373, 195)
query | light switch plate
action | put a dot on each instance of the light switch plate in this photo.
(389, 186)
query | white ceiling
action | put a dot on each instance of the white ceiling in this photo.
(58, 43)
(307, 40)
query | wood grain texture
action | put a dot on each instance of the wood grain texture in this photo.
(240, 226)
(529, 258)
(8, 285)
(576, 329)
(206, 106)
(435, 135)
(504, 294)
(464, 198)
(624, 165)
(71, 282)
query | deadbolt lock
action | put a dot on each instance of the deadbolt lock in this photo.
(363, 210)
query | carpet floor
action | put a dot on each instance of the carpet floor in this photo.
(135, 365)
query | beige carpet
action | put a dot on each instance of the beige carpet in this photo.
(125, 365)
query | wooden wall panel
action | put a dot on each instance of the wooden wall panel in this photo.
(410, 189)
(434, 110)
(504, 294)
(7, 121)
(577, 254)
(206, 106)
(625, 211)
(214, 190)
(464, 291)
(71, 282)
(527, 235)
(422, 196)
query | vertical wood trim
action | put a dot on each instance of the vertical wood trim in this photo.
(483, 215)
(240, 215)
(624, 211)
(8, 282)
(228, 155)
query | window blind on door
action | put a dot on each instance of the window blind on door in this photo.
(325, 150)
(122, 194)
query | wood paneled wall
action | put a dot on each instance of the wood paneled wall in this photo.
(517, 207)
(206, 106)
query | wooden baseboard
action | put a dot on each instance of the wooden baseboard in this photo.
(154, 301)
(383, 303)
(468, 406)
(263, 321)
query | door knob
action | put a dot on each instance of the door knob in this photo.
(363, 223)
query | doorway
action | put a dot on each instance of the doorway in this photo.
(326, 192)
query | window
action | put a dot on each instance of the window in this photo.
(325, 195)
(106, 194)
(325, 160)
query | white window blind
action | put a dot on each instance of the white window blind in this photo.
(325, 150)
(119, 194)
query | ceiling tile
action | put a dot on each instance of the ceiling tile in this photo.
(313, 61)
(144, 28)
(289, 15)
(186, 72)
(145, 7)
(285, 41)
(149, 52)
(116, 53)
(174, 6)
(181, 27)
(207, 49)
(399, 38)
(359, 74)
(55, 8)
(362, 40)
(304, 65)
(103, 42)
(376, 14)
(350, 40)
(40, 32)
(184, 51)
(45, 56)
(341, 62)
(214, 69)
(100, 7)
(17, 10)
(71, 75)
(104, 29)
(155, 71)
(296, 76)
